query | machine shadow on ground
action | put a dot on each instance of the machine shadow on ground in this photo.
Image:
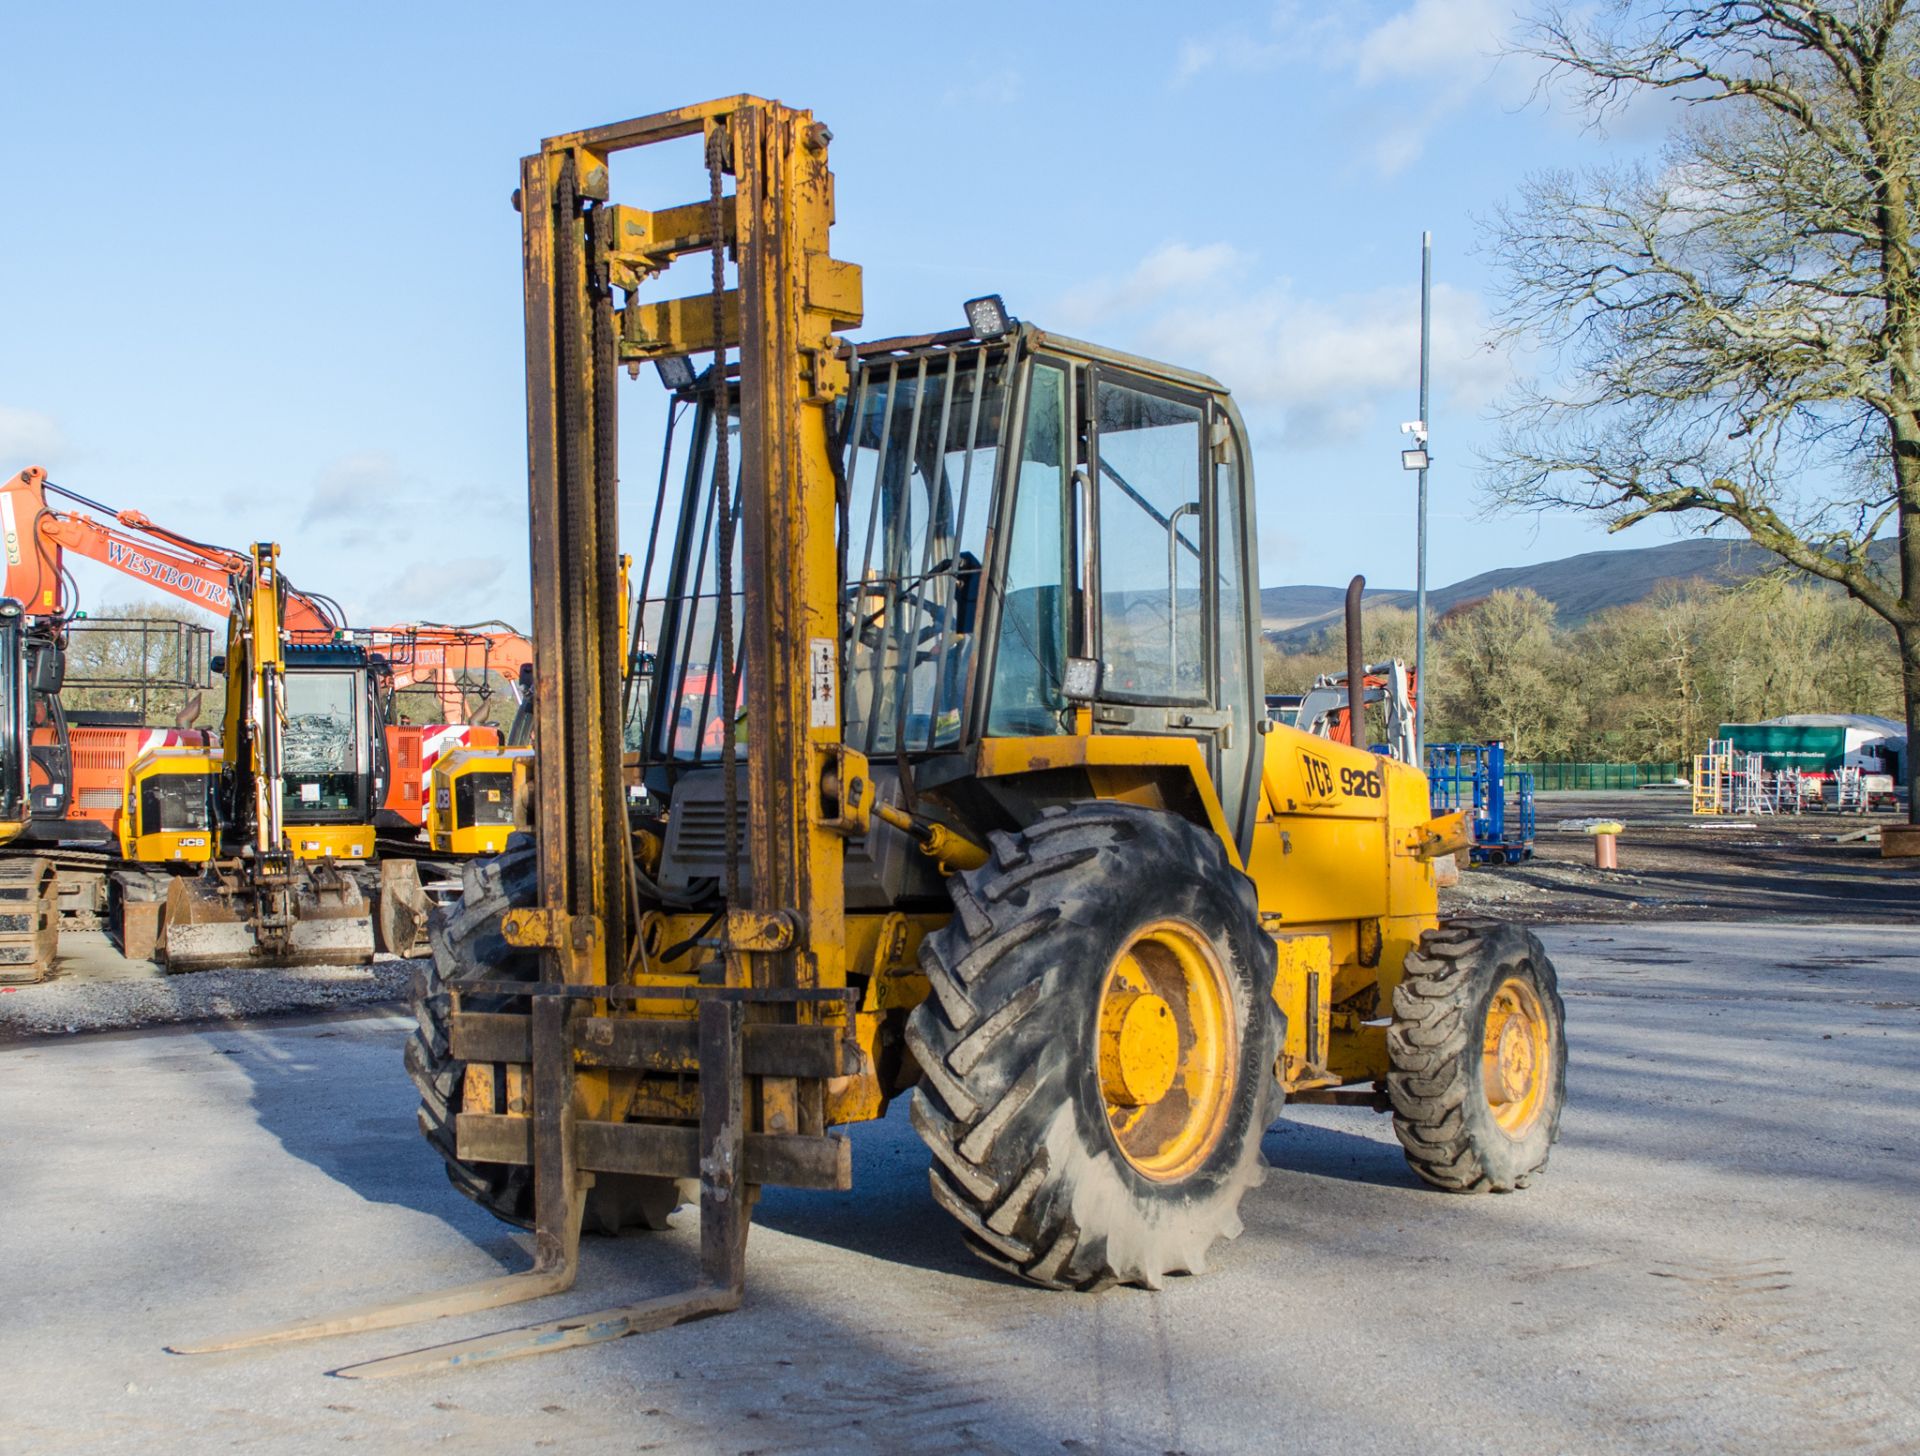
(383, 1159)
(889, 1215)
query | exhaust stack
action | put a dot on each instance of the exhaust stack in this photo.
(1356, 667)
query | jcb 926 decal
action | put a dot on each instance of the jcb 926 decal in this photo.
(1355, 783)
(1361, 783)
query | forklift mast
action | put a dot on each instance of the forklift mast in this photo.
(782, 935)
(788, 298)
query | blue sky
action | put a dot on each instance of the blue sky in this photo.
(260, 278)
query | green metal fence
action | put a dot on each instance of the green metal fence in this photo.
(1548, 777)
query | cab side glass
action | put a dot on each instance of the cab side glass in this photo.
(1233, 622)
(1031, 657)
(1152, 605)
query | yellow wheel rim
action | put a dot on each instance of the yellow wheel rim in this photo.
(1516, 1062)
(1168, 1047)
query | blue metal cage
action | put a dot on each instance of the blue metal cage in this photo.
(1474, 777)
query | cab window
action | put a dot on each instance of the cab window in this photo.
(1152, 536)
(1030, 660)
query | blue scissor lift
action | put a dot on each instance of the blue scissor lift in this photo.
(1474, 776)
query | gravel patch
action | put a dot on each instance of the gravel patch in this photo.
(66, 1007)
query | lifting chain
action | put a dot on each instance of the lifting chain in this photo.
(724, 509)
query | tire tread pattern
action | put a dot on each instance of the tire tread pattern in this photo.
(1449, 1137)
(986, 1042)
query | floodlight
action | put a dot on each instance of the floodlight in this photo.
(1413, 459)
(988, 317)
(676, 373)
(1081, 683)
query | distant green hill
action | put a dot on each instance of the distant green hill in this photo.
(1578, 586)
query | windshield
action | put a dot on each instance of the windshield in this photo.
(320, 746)
(922, 436)
(923, 447)
(679, 599)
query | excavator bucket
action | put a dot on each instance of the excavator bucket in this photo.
(402, 909)
(320, 921)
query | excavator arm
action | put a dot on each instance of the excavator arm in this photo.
(281, 897)
(38, 535)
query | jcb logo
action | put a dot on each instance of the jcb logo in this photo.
(1319, 776)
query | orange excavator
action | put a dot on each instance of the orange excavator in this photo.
(452, 662)
(62, 778)
(56, 789)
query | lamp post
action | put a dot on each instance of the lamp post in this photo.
(1417, 459)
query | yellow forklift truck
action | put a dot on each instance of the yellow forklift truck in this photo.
(960, 785)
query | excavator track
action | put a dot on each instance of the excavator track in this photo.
(29, 919)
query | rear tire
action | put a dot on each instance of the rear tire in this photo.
(1059, 1169)
(469, 945)
(1478, 1056)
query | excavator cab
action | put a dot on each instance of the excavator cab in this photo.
(476, 799)
(168, 818)
(50, 737)
(332, 750)
(15, 726)
(29, 911)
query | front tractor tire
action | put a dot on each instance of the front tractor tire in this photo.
(469, 944)
(1097, 1052)
(1478, 1056)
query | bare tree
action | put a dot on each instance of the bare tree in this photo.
(1499, 676)
(1737, 328)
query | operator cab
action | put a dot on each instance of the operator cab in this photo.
(15, 731)
(1040, 538)
(49, 745)
(332, 721)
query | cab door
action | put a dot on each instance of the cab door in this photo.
(1169, 555)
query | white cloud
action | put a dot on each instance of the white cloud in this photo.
(356, 490)
(1324, 364)
(1432, 37)
(28, 437)
(459, 589)
(1171, 268)
(1327, 364)
(1296, 32)
(1433, 56)
(999, 87)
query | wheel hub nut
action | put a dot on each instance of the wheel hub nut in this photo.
(1516, 1062)
(1139, 1048)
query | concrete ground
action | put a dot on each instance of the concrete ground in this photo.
(96, 988)
(1675, 865)
(1721, 1258)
